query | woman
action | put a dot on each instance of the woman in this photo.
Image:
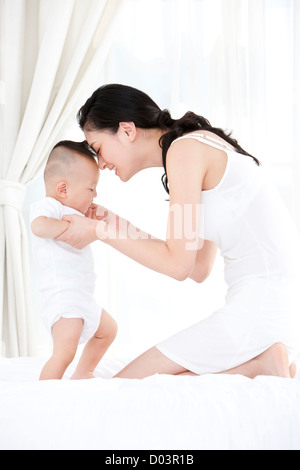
(207, 173)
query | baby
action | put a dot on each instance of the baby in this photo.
(67, 278)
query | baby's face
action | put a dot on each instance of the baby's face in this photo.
(82, 185)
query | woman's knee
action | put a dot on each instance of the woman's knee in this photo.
(149, 363)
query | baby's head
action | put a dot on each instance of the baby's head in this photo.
(71, 175)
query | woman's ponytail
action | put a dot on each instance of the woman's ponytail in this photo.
(164, 120)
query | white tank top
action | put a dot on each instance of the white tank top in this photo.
(245, 216)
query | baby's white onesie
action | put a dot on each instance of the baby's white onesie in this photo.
(66, 275)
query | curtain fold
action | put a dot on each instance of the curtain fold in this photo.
(50, 52)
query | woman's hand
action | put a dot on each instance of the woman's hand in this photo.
(81, 232)
(98, 223)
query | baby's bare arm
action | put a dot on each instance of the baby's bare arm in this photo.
(47, 227)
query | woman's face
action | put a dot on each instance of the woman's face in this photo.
(115, 152)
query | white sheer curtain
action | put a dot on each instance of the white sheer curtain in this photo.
(50, 52)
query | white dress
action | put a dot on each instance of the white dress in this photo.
(66, 275)
(259, 242)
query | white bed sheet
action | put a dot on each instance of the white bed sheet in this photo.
(161, 412)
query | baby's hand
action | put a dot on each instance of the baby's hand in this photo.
(97, 212)
(91, 213)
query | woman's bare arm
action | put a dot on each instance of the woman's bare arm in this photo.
(204, 261)
(175, 256)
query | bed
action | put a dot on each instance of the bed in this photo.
(212, 412)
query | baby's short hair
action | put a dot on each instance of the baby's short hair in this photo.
(63, 156)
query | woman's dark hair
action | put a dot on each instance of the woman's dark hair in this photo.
(111, 104)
